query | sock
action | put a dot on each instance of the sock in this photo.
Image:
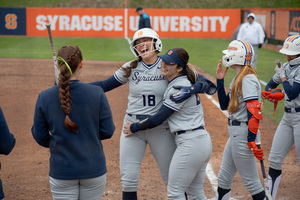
(129, 196)
(259, 196)
(223, 194)
(273, 180)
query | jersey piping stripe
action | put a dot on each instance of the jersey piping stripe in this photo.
(293, 38)
(153, 65)
(120, 81)
(251, 98)
(171, 107)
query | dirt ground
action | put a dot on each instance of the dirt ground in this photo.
(25, 171)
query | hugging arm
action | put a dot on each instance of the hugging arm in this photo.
(202, 85)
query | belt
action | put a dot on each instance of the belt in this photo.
(139, 117)
(235, 123)
(291, 110)
(180, 132)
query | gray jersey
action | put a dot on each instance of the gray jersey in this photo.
(293, 76)
(251, 90)
(189, 113)
(146, 87)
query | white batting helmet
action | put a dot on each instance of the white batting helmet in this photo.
(291, 46)
(238, 52)
(146, 33)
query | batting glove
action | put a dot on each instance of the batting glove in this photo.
(280, 71)
(258, 153)
(183, 94)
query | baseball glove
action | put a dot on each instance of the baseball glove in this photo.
(273, 95)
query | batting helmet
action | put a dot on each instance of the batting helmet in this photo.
(146, 33)
(238, 52)
(291, 46)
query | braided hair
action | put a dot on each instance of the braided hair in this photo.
(69, 58)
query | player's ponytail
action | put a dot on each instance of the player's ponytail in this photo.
(188, 70)
(133, 65)
(69, 57)
(237, 88)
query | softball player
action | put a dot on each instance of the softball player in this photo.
(7, 143)
(288, 131)
(243, 104)
(146, 89)
(186, 122)
(73, 131)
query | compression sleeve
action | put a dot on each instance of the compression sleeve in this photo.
(108, 84)
(271, 85)
(223, 98)
(291, 91)
(251, 136)
(155, 120)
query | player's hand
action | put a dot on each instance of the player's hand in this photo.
(183, 93)
(220, 72)
(126, 130)
(280, 71)
(258, 153)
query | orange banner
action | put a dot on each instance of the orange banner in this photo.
(98, 22)
(77, 22)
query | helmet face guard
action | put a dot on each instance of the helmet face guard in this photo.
(145, 33)
(144, 48)
(291, 46)
(238, 53)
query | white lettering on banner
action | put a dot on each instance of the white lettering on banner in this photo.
(80, 23)
(184, 23)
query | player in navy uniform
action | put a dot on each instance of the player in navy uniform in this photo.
(288, 130)
(71, 119)
(7, 143)
(186, 122)
(244, 107)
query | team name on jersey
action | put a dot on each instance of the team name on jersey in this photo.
(137, 78)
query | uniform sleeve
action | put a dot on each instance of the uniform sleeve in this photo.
(106, 124)
(171, 104)
(250, 88)
(7, 139)
(155, 120)
(223, 98)
(40, 128)
(108, 84)
(271, 85)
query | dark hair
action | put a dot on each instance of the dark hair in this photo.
(184, 56)
(133, 65)
(72, 56)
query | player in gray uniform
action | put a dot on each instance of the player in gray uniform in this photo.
(186, 122)
(288, 131)
(244, 107)
(146, 89)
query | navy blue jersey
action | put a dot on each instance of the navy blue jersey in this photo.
(74, 155)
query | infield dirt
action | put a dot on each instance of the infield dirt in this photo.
(25, 171)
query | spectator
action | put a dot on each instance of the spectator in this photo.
(253, 33)
(7, 143)
(144, 21)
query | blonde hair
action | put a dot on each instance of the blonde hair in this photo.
(237, 87)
